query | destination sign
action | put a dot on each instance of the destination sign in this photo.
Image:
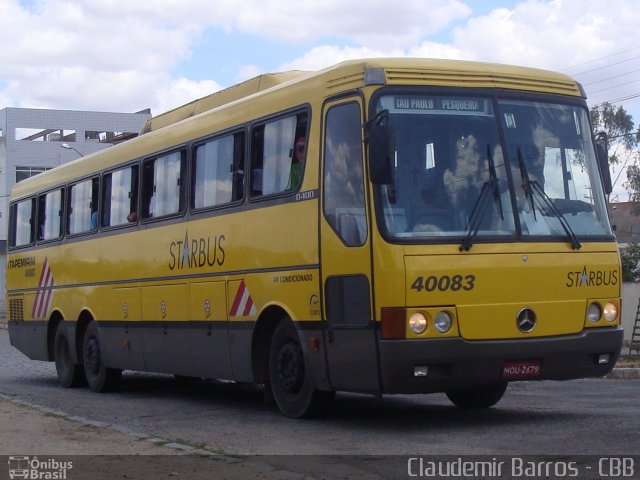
(435, 104)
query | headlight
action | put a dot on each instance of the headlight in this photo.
(610, 312)
(418, 322)
(594, 312)
(443, 322)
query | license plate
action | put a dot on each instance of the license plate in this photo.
(521, 369)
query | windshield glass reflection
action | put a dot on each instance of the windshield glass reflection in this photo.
(447, 150)
(452, 175)
(554, 142)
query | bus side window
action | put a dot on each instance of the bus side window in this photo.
(50, 214)
(163, 185)
(272, 154)
(82, 207)
(22, 231)
(217, 172)
(120, 197)
(344, 204)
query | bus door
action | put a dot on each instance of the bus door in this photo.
(349, 330)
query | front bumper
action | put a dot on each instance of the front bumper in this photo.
(456, 362)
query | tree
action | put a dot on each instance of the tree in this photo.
(633, 185)
(623, 141)
(630, 266)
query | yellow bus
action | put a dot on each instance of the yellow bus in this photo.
(382, 226)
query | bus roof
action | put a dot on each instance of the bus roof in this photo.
(158, 134)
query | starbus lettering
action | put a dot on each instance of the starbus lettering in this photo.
(592, 278)
(196, 252)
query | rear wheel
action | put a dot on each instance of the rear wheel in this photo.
(290, 383)
(99, 376)
(70, 374)
(483, 396)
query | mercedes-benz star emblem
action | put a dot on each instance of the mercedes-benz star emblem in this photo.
(526, 320)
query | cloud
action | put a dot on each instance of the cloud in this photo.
(181, 91)
(362, 22)
(63, 55)
(110, 55)
(248, 71)
(545, 34)
(327, 55)
(552, 34)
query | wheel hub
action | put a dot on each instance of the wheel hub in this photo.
(290, 367)
(93, 355)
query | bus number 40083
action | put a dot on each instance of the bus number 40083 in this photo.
(444, 283)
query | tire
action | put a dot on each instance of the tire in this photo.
(70, 374)
(483, 396)
(290, 383)
(99, 377)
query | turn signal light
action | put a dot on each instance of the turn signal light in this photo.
(394, 322)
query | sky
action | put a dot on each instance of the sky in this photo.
(108, 55)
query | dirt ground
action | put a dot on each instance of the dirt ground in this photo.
(37, 433)
(100, 452)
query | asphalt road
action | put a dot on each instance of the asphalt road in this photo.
(580, 417)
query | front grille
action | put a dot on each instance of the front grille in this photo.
(16, 310)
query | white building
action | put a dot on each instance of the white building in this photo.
(33, 140)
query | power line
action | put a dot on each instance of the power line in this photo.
(598, 59)
(618, 100)
(622, 169)
(610, 78)
(614, 86)
(607, 66)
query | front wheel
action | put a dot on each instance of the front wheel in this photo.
(483, 396)
(99, 376)
(290, 383)
(70, 374)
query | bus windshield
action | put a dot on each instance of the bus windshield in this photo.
(455, 177)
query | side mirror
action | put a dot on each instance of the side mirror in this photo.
(382, 153)
(602, 152)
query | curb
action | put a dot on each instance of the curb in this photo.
(623, 373)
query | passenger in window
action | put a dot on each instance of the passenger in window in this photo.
(152, 205)
(464, 179)
(41, 227)
(94, 220)
(133, 207)
(297, 163)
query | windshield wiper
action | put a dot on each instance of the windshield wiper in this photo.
(532, 187)
(481, 205)
(494, 181)
(526, 183)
